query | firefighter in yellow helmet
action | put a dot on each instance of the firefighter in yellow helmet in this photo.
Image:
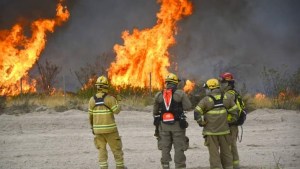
(169, 118)
(227, 86)
(211, 114)
(102, 108)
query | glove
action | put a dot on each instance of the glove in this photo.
(201, 123)
(93, 131)
(156, 133)
(196, 116)
(156, 120)
(119, 98)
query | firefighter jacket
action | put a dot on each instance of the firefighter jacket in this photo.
(179, 96)
(101, 113)
(215, 118)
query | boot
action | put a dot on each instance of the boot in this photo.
(165, 165)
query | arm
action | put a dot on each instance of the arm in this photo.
(156, 115)
(186, 103)
(156, 105)
(113, 104)
(90, 110)
(232, 110)
(199, 113)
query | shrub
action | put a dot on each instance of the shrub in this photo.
(281, 88)
(2, 104)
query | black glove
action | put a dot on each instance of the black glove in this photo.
(156, 133)
(196, 116)
(156, 120)
(201, 123)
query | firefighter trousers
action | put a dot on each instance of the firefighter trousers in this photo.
(180, 142)
(115, 144)
(219, 151)
(235, 155)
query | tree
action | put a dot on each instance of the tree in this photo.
(88, 74)
(48, 74)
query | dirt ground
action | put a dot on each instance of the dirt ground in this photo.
(52, 140)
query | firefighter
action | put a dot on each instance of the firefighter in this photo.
(102, 108)
(168, 112)
(227, 86)
(211, 114)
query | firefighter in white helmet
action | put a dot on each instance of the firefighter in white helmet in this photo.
(169, 118)
(102, 108)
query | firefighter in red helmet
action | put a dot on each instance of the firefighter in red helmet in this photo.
(227, 83)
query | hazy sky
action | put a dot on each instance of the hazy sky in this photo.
(240, 36)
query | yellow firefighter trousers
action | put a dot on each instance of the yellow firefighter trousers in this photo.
(223, 158)
(115, 144)
(234, 134)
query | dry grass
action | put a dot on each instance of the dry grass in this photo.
(136, 102)
(262, 103)
(57, 102)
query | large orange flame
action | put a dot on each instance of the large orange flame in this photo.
(19, 53)
(146, 51)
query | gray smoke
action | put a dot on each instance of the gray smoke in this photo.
(240, 36)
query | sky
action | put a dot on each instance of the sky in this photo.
(240, 36)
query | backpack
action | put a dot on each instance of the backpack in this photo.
(242, 114)
(100, 102)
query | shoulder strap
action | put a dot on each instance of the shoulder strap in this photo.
(217, 103)
(100, 101)
(235, 93)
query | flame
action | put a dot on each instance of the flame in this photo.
(19, 53)
(260, 96)
(89, 83)
(146, 51)
(282, 95)
(189, 86)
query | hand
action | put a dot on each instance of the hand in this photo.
(156, 133)
(202, 123)
(119, 98)
(93, 131)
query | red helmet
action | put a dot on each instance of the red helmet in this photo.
(226, 77)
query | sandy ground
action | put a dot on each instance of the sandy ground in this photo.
(52, 140)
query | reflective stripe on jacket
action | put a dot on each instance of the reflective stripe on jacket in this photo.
(101, 117)
(216, 118)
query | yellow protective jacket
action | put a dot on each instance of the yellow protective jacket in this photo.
(216, 118)
(102, 118)
(241, 105)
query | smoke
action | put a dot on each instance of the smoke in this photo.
(240, 36)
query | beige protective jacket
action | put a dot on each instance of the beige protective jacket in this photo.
(216, 118)
(102, 118)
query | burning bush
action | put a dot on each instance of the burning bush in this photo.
(48, 74)
(282, 88)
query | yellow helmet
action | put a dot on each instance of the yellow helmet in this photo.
(172, 78)
(102, 82)
(212, 84)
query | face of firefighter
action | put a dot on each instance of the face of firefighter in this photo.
(223, 86)
(207, 91)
